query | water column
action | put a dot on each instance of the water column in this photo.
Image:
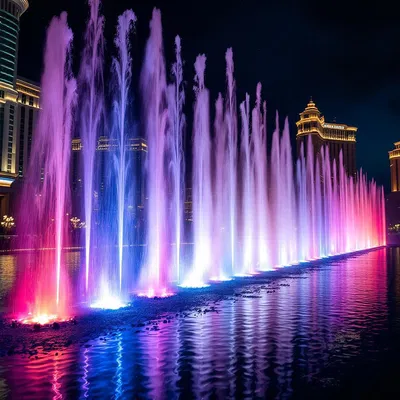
(155, 275)
(287, 201)
(92, 104)
(45, 202)
(176, 100)
(201, 182)
(122, 69)
(258, 139)
(248, 194)
(231, 162)
(219, 189)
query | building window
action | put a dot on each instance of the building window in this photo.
(23, 99)
(30, 131)
(10, 138)
(1, 131)
(1, 94)
(30, 100)
(21, 143)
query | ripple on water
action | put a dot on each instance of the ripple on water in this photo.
(303, 337)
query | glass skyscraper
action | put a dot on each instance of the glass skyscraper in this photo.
(19, 104)
(10, 11)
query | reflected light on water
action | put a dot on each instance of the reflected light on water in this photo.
(271, 340)
(108, 303)
(42, 319)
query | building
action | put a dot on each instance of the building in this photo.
(393, 199)
(188, 212)
(19, 104)
(137, 154)
(394, 159)
(337, 137)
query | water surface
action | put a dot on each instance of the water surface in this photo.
(326, 331)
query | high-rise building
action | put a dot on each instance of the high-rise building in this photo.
(394, 159)
(137, 153)
(393, 199)
(337, 137)
(10, 12)
(19, 104)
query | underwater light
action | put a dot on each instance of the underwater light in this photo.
(193, 284)
(42, 319)
(220, 279)
(152, 293)
(109, 303)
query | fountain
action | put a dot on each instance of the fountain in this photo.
(201, 181)
(156, 273)
(176, 100)
(123, 73)
(91, 94)
(42, 290)
(231, 157)
(254, 209)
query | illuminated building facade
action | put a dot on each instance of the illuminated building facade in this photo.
(137, 153)
(393, 199)
(188, 216)
(394, 159)
(19, 104)
(337, 137)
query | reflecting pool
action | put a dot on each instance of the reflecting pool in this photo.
(323, 331)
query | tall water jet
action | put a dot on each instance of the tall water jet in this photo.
(92, 102)
(248, 218)
(287, 203)
(259, 139)
(218, 269)
(45, 199)
(122, 69)
(155, 274)
(176, 100)
(275, 194)
(201, 181)
(232, 136)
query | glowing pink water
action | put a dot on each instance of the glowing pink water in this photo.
(253, 208)
(43, 287)
(157, 270)
(92, 111)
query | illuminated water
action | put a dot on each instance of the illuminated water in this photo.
(330, 331)
(45, 198)
(254, 207)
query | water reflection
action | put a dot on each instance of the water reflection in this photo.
(8, 266)
(303, 335)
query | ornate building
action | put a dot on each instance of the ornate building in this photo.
(393, 199)
(394, 159)
(337, 137)
(19, 104)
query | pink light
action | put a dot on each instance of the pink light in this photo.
(152, 293)
(42, 319)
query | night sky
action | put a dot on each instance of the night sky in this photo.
(344, 54)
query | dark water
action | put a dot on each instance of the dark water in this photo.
(331, 332)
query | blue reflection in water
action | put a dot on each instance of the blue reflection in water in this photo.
(85, 368)
(56, 385)
(299, 336)
(118, 371)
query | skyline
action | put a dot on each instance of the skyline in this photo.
(265, 53)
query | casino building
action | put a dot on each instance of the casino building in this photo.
(337, 137)
(19, 105)
(393, 198)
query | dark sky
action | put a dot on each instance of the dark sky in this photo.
(345, 54)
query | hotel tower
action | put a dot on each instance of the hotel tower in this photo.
(337, 137)
(19, 104)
